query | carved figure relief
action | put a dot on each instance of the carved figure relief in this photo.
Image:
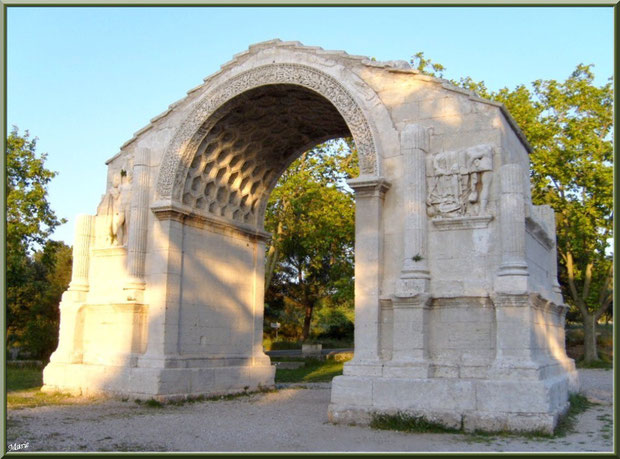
(459, 182)
(115, 206)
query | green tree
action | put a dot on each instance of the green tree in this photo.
(30, 219)
(312, 217)
(51, 274)
(30, 222)
(572, 171)
(426, 66)
(570, 128)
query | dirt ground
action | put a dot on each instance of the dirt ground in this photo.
(291, 419)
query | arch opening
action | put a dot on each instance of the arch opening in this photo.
(249, 142)
(247, 145)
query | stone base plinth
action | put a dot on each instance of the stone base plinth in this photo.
(159, 383)
(526, 405)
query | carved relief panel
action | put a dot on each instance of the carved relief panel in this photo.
(458, 182)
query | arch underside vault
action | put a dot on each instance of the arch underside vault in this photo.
(182, 149)
(249, 142)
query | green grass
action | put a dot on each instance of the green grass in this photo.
(283, 344)
(32, 398)
(418, 424)
(24, 389)
(578, 404)
(313, 371)
(23, 378)
(407, 423)
(602, 364)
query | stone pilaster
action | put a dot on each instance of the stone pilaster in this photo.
(515, 346)
(410, 337)
(258, 355)
(138, 227)
(415, 275)
(369, 195)
(81, 253)
(548, 216)
(165, 289)
(513, 274)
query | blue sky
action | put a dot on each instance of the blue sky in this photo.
(83, 80)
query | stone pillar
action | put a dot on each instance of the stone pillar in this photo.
(138, 227)
(258, 355)
(514, 311)
(411, 301)
(69, 339)
(512, 276)
(81, 253)
(369, 195)
(164, 291)
(415, 275)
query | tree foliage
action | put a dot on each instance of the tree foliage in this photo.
(311, 214)
(32, 303)
(37, 269)
(569, 124)
(30, 219)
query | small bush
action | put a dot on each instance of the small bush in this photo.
(152, 403)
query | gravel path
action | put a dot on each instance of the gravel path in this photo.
(291, 419)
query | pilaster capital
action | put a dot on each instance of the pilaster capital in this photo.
(368, 186)
(141, 157)
(415, 136)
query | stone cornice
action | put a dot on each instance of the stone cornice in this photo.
(171, 210)
(369, 185)
(462, 223)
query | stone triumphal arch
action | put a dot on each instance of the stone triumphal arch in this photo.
(458, 313)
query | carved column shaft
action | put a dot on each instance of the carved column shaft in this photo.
(81, 253)
(369, 194)
(415, 275)
(512, 207)
(138, 220)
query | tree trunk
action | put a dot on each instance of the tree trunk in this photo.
(590, 352)
(273, 254)
(307, 319)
